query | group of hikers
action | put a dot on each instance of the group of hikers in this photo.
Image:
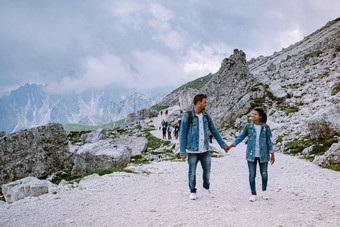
(167, 129)
(196, 131)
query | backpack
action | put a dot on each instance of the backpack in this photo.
(190, 118)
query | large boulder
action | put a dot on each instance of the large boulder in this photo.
(137, 145)
(36, 152)
(146, 113)
(325, 123)
(131, 118)
(26, 187)
(331, 157)
(103, 154)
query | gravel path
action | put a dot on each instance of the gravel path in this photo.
(301, 194)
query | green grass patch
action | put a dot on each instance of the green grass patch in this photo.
(215, 154)
(335, 167)
(293, 109)
(159, 107)
(154, 142)
(258, 102)
(320, 146)
(80, 127)
(102, 172)
(336, 89)
(66, 175)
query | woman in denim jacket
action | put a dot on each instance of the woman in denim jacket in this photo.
(259, 148)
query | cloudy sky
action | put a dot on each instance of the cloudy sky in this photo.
(79, 44)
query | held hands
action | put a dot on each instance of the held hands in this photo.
(183, 157)
(227, 148)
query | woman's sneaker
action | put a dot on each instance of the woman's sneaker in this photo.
(193, 196)
(252, 198)
(265, 195)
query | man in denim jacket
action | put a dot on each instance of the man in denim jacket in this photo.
(194, 141)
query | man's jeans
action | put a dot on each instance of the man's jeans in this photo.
(252, 175)
(206, 165)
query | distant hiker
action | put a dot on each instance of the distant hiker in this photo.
(259, 148)
(166, 112)
(161, 112)
(164, 131)
(210, 137)
(169, 130)
(176, 131)
(194, 143)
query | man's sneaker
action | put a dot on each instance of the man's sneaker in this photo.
(265, 195)
(209, 193)
(252, 198)
(193, 196)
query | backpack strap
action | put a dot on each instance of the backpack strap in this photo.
(190, 118)
(248, 128)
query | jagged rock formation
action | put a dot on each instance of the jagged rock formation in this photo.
(35, 152)
(2, 133)
(292, 85)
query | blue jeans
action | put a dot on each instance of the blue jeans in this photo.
(252, 175)
(206, 165)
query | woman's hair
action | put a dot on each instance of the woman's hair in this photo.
(262, 114)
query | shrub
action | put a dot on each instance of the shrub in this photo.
(336, 89)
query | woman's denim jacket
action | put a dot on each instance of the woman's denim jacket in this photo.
(189, 136)
(266, 145)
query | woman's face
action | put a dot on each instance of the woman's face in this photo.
(255, 116)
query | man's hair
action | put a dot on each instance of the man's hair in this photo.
(199, 98)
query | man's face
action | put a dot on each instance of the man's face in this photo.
(203, 104)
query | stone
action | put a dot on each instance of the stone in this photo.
(131, 118)
(146, 113)
(325, 123)
(137, 145)
(331, 157)
(103, 154)
(26, 187)
(36, 152)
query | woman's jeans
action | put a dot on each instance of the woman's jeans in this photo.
(252, 175)
(206, 165)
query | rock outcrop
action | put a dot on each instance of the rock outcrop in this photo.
(26, 187)
(331, 157)
(325, 123)
(146, 113)
(35, 152)
(100, 149)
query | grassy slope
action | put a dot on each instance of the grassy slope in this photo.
(79, 127)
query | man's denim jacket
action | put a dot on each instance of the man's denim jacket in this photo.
(266, 145)
(189, 136)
